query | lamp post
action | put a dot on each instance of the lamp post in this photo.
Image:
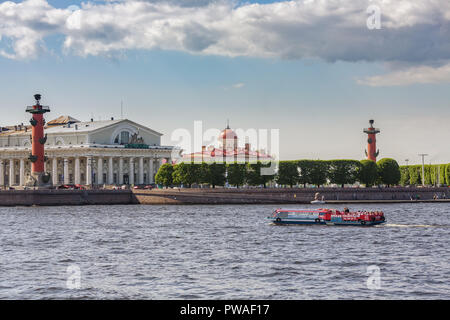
(423, 155)
(406, 160)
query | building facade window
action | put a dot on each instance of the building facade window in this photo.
(122, 138)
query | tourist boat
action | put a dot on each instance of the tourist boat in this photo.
(327, 217)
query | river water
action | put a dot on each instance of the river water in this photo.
(220, 252)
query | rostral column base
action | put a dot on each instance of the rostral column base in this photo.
(40, 180)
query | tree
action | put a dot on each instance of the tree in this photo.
(405, 178)
(236, 174)
(442, 179)
(319, 173)
(216, 174)
(429, 179)
(203, 173)
(164, 175)
(287, 173)
(304, 168)
(186, 174)
(415, 175)
(368, 172)
(255, 176)
(388, 171)
(343, 171)
(447, 174)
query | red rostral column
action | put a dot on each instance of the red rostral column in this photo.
(372, 152)
(38, 177)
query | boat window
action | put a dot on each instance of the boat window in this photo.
(283, 214)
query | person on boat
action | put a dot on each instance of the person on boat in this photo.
(346, 210)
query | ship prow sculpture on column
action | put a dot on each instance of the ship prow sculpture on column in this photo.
(38, 177)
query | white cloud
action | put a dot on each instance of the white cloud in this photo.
(413, 31)
(412, 75)
(26, 24)
(238, 85)
(234, 86)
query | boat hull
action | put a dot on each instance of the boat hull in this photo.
(290, 221)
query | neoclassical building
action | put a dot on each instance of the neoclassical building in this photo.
(112, 152)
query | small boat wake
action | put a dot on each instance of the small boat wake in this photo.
(397, 225)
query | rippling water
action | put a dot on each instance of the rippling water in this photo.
(220, 252)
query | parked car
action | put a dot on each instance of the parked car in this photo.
(64, 187)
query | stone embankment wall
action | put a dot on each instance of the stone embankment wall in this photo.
(64, 197)
(280, 196)
(216, 196)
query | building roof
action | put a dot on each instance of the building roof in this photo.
(62, 121)
(14, 130)
(80, 126)
(67, 124)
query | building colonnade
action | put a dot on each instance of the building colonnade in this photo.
(85, 170)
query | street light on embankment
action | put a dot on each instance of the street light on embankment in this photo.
(423, 155)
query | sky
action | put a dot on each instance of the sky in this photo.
(317, 70)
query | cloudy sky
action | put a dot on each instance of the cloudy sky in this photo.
(318, 70)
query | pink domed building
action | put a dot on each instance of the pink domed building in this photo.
(227, 151)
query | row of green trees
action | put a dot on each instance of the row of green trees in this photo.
(300, 172)
(434, 174)
(214, 174)
(340, 172)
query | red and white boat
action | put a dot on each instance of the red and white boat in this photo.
(327, 217)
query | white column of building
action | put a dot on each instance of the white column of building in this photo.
(12, 172)
(2, 173)
(88, 170)
(66, 171)
(141, 170)
(110, 170)
(100, 170)
(55, 171)
(77, 171)
(160, 162)
(120, 170)
(22, 172)
(151, 169)
(131, 170)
